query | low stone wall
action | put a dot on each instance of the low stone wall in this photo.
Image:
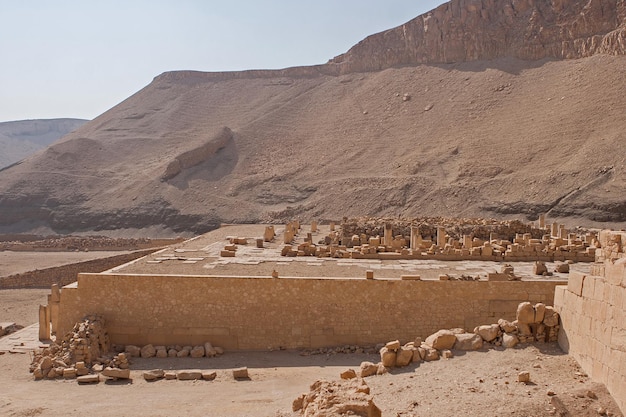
(66, 274)
(593, 323)
(257, 313)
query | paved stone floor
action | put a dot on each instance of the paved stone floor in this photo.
(23, 341)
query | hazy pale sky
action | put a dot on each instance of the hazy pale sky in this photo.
(78, 58)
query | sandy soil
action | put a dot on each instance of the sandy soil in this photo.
(482, 383)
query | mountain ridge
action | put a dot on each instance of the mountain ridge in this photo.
(506, 137)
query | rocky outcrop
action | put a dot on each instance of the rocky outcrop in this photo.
(470, 30)
(198, 155)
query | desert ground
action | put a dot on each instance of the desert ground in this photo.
(480, 383)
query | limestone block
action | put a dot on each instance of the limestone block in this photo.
(524, 377)
(169, 375)
(551, 317)
(197, 352)
(133, 351)
(422, 353)
(219, 350)
(369, 274)
(509, 340)
(394, 345)
(148, 351)
(410, 277)
(348, 374)
(209, 350)
(388, 357)
(161, 353)
(172, 353)
(417, 357)
(209, 375)
(153, 374)
(488, 332)
(189, 375)
(367, 369)
(575, 283)
(240, 373)
(525, 313)
(506, 326)
(468, 341)
(431, 355)
(442, 339)
(404, 356)
(88, 379)
(524, 329)
(183, 353)
(69, 373)
(540, 309)
(562, 268)
(116, 373)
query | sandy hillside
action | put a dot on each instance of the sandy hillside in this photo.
(397, 126)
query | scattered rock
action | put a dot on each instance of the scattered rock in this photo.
(153, 375)
(468, 341)
(525, 313)
(189, 375)
(488, 332)
(240, 373)
(367, 369)
(388, 357)
(88, 379)
(348, 374)
(443, 339)
(209, 375)
(524, 377)
(116, 373)
(148, 351)
(509, 340)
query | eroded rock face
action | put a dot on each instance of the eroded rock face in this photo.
(469, 30)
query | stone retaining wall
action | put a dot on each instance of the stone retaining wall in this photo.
(257, 313)
(66, 274)
(593, 321)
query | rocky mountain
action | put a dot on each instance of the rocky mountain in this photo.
(25, 137)
(500, 109)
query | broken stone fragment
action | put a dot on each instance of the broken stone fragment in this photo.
(116, 373)
(88, 379)
(388, 357)
(468, 341)
(348, 374)
(367, 369)
(189, 375)
(404, 356)
(209, 375)
(148, 351)
(488, 332)
(197, 352)
(525, 313)
(240, 373)
(442, 339)
(153, 374)
(509, 340)
(524, 377)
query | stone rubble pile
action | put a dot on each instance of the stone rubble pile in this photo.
(337, 398)
(85, 353)
(174, 351)
(85, 345)
(534, 323)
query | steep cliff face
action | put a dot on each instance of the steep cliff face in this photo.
(470, 30)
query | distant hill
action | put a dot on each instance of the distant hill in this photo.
(479, 108)
(22, 138)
